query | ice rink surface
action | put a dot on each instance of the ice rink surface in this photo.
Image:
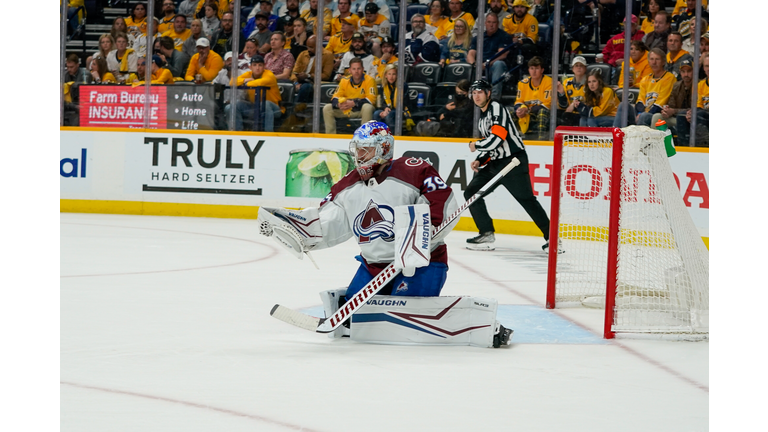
(165, 326)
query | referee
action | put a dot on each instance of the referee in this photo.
(500, 144)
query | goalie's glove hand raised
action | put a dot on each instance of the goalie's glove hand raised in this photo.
(277, 223)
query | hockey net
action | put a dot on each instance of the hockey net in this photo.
(640, 256)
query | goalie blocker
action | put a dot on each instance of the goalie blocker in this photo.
(401, 320)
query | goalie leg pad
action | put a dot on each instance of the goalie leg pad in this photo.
(331, 300)
(426, 321)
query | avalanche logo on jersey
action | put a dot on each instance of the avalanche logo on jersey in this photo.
(377, 221)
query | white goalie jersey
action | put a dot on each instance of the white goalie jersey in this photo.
(366, 211)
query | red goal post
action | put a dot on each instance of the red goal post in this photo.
(630, 246)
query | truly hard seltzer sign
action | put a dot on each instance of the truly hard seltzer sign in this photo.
(199, 164)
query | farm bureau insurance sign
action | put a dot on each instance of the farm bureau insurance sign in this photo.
(182, 107)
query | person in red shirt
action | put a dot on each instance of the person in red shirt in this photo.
(613, 53)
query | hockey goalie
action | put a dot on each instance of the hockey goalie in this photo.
(389, 207)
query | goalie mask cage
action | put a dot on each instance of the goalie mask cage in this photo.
(629, 246)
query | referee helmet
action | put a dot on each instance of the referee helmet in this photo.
(480, 84)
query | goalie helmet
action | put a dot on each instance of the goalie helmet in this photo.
(372, 145)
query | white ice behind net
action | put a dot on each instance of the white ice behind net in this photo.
(663, 264)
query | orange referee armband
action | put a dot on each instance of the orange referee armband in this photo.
(499, 131)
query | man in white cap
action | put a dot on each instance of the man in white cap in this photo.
(205, 65)
(571, 90)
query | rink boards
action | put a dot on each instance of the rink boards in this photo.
(215, 174)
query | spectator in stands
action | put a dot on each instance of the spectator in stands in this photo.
(359, 7)
(169, 13)
(683, 20)
(571, 91)
(140, 43)
(262, 34)
(359, 49)
(222, 40)
(180, 33)
(499, 7)
(679, 100)
(139, 74)
(638, 64)
(177, 61)
(600, 102)
(196, 33)
(74, 75)
(244, 59)
(662, 27)
(298, 42)
(279, 60)
(354, 98)
(654, 6)
(137, 22)
(520, 24)
(688, 44)
(258, 76)
(702, 113)
(455, 48)
(340, 43)
(118, 26)
(387, 109)
(613, 53)
(675, 54)
(681, 5)
(303, 75)
(374, 27)
(388, 57)
(457, 117)
(655, 89)
(211, 22)
(106, 45)
(292, 12)
(420, 44)
(266, 8)
(188, 8)
(437, 18)
(534, 98)
(455, 8)
(494, 41)
(122, 61)
(205, 65)
(337, 21)
(310, 16)
(160, 75)
(100, 73)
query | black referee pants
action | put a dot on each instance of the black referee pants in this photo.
(517, 182)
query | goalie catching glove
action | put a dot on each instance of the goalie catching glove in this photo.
(298, 231)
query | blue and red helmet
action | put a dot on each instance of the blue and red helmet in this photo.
(372, 145)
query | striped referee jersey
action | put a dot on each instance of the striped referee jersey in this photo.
(502, 139)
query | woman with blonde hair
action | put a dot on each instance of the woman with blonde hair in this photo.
(600, 102)
(387, 111)
(106, 45)
(455, 48)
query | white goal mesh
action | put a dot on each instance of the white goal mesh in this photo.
(660, 261)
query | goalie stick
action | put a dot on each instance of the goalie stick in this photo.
(327, 325)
